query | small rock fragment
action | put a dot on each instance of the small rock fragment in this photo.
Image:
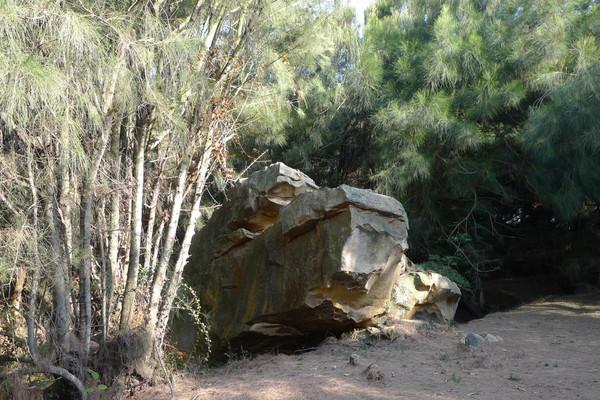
(392, 332)
(353, 359)
(491, 338)
(473, 340)
(374, 331)
(374, 373)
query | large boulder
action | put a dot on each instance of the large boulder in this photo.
(283, 257)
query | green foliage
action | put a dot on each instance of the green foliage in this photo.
(313, 103)
(188, 301)
(449, 267)
(93, 374)
(488, 106)
(472, 110)
(563, 140)
(88, 88)
(97, 387)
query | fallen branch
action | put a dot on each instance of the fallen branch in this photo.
(46, 368)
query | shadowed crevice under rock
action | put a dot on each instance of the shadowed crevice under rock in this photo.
(284, 260)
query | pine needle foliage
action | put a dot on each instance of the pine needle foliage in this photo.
(489, 106)
(313, 103)
(468, 111)
(116, 119)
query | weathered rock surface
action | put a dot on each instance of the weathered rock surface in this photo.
(426, 293)
(284, 258)
(473, 340)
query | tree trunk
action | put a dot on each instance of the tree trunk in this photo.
(104, 270)
(157, 241)
(127, 229)
(85, 296)
(35, 278)
(60, 294)
(142, 120)
(114, 222)
(40, 365)
(151, 221)
(66, 202)
(17, 292)
(87, 198)
(87, 255)
(167, 251)
(165, 310)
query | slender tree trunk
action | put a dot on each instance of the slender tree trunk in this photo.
(35, 278)
(20, 272)
(104, 270)
(85, 296)
(87, 255)
(114, 222)
(151, 222)
(156, 247)
(142, 121)
(165, 310)
(40, 365)
(17, 292)
(126, 236)
(87, 198)
(60, 294)
(167, 251)
(65, 212)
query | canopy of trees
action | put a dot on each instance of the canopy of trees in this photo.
(114, 118)
(481, 116)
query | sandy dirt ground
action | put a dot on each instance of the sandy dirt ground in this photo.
(550, 349)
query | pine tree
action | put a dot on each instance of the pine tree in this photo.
(115, 119)
(483, 101)
(461, 109)
(315, 103)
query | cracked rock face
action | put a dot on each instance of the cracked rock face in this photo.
(424, 294)
(284, 258)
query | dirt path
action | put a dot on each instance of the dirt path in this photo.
(550, 350)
